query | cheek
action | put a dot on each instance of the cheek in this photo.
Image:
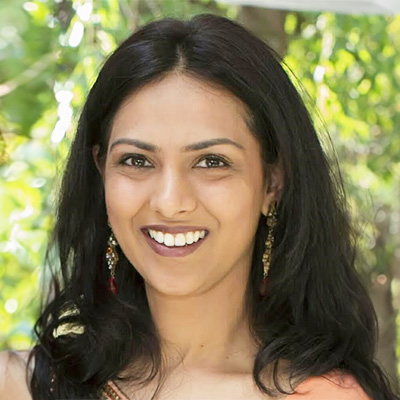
(123, 197)
(234, 199)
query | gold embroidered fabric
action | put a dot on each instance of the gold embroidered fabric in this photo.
(110, 391)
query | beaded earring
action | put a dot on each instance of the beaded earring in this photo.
(112, 260)
(271, 221)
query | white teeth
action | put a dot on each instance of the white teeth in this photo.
(169, 240)
(179, 240)
(189, 238)
(160, 237)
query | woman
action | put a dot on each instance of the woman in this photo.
(204, 245)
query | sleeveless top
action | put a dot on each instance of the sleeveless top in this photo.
(331, 386)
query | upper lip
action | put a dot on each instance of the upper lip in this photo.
(174, 229)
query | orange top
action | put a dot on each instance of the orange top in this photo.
(332, 386)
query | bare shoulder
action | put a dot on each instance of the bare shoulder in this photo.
(13, 376)
(332, 386)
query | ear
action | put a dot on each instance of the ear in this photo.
(95, 154)
(274, 187)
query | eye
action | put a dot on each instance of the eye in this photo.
(213, 161)
(136, 161)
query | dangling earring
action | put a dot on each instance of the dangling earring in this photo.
(271, 223)
(112, 260)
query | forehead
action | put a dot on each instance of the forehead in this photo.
(179, 106)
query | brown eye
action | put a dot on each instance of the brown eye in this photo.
(136, 161)
(213, 161)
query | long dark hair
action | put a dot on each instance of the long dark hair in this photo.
(316, 315)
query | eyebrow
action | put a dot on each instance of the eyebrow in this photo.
(191, 147)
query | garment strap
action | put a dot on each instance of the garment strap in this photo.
(111, 391)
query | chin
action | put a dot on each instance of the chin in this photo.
(173, 290)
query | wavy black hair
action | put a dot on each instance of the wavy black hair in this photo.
(316, 314)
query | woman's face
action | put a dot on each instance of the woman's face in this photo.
(183, 167)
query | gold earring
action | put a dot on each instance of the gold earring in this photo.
(269, 242)
(112, 260)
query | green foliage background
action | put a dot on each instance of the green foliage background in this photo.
(50, 54)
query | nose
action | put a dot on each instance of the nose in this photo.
(173, 195)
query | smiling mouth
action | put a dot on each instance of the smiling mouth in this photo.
(168, 248)
(169, 240)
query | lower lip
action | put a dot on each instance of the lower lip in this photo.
(178, 251)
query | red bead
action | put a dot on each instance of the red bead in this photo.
(112, 285)
(262, 287)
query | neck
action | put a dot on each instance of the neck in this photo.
(207, 330)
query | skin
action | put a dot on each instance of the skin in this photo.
(197, 300)
(13, 385)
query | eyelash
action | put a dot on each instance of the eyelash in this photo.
(139, 157)
(214, 157)
(136, 157)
